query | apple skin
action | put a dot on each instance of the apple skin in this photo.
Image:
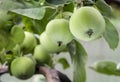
(87, 24)
(58, 31)
(22, 68)
(50, 45)
(29, 42)
(41, 55)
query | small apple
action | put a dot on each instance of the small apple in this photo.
(41, 55)
(22, 67)
(29, 42)
(50, 45)
(58, 31)
(87, 24)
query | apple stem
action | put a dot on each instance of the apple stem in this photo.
(52, 75)
(78, 4)
(60, 10)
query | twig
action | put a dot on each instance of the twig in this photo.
(50, 74)
(63, 77)
(3, 69)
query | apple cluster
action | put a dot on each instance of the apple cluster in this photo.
(56, 36)
(86, 23)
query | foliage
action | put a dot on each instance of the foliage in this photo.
(20, 16)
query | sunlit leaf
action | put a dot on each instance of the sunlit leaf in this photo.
(10, 4)
(34, 13)
(64, 63)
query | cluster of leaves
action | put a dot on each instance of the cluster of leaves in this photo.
(33, 16)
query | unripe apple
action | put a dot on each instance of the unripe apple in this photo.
(87, 24)
(22, 67)
(29, 42)
(41, 55)
(49, 44)
(58, 31)
(31, 57)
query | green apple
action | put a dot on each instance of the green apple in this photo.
(41, 55)
(32, 58)
(22, 67)
(87, 24)
(58, 31)
(29, 42)
(50, 45)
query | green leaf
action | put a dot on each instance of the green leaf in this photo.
(5, 19)
(49, 15)
(34, 13)
(79, 56)
(16, 37)
(3, 39)
(104, 8)
(111, 35)
(10, 4)
(28, 24)
(105, 67)
(32, 25)
(2, 55)
(58, 2)
(64, 63)
(68, 7)
(37, 27)
(8, 57)
(10, 45)
(17, 34)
